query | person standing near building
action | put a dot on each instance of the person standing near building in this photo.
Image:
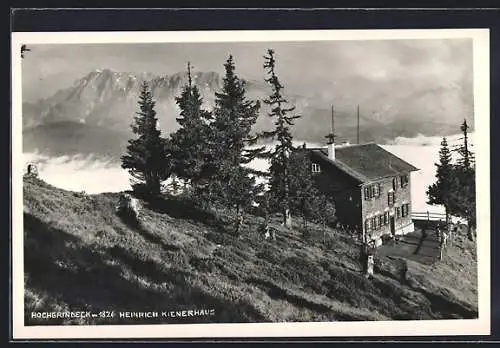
(370, 260)
(369, 257)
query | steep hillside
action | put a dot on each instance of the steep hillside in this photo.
(79, 255)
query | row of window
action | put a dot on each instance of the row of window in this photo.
(376, 222)
(400, 181)
(375, 190)
(405, 210)
(372, 191)
(402, 211)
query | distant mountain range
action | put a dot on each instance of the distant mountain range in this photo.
(94, 114)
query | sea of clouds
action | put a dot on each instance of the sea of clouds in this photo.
(78, 173)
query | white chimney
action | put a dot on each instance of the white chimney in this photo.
(331, 151)
(331, 140)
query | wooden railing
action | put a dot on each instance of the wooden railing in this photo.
(428, 216)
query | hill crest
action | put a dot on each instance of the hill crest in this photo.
(80, 256)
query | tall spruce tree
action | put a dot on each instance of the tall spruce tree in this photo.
(279, 171)
(466, 158)
(463, 193)
(189, 144)
(234, 117)
(439, 193)
(146, 159)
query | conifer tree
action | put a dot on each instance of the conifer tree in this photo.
(234, 117)
(466, 159)
(189, 144)
(439, 192)
(463, 193)
(146, 159)
(279, 171)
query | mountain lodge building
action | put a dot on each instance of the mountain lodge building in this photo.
(370, 186)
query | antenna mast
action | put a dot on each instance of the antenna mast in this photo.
(357, 134)
(333, 119)
(331, 136)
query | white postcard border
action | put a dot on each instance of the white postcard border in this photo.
(480, 326)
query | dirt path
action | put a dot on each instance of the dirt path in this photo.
(417, 246)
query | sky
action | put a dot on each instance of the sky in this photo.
(423, 64)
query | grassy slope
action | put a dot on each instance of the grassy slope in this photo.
(80, 256)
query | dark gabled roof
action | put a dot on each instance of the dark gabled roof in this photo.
(366, 162)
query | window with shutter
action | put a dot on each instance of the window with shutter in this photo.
(405, 210)
(404, 180)
(390, 198)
